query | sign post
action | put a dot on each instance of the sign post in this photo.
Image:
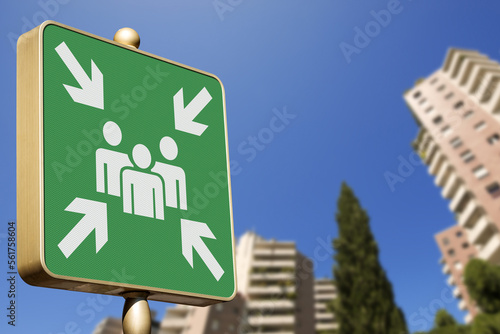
(123, 171)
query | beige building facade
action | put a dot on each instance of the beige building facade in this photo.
(458, 111)
(324, 294)
(457, 251)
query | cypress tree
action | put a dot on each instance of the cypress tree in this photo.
(365, 302)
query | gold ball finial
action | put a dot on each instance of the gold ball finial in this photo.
(128, 36)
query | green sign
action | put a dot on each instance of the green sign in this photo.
(127, 141)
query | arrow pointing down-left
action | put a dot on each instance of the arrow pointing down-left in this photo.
(92, 91)
(95, 218)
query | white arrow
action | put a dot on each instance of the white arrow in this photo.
(92, 91)
(184, 116)
(192, 232)
(95, 218)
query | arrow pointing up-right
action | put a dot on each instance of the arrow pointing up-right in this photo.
(184, 116)
(95, 219)
(192, 232)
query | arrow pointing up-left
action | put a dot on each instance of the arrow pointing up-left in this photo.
(91, 92)
(191, 234)
(95, 219)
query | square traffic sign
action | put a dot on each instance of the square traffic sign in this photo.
(123, 171)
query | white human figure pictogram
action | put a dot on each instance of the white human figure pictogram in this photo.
(110, 163)
(171, 175)
(142, 192)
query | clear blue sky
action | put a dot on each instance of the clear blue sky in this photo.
(350, 123)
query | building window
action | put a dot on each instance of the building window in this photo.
(468, 114)
(215, 325)
(458, 265)
(219, 307)
(493, 189)
(433, 81)
(446, 241)
(428, 110)
(421, 102)
(494, 138)
(449, 95)
(467, 156)
(451, 252)
(440, 88)
(459, 234)
(480, 172)
(446, 130)
(465, 245)
(456, 142)
(417, 95)
(459, 104)
(437, 120)
(479, 126)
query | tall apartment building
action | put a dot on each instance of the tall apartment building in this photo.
(458, 110)
(275, 295)
(324, 293)
(457, 251)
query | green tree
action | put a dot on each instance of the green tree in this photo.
(483, 282)
(365, 302)
(486, 324)
(444, 319)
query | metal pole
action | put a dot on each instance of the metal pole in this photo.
(136, 317)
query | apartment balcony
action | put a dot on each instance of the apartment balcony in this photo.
(443, 174)
(462, 305)
(320, 306)
(451, 280)
(477, 74)
(430, 153)
(325, 288)
(451, 185)
(469, 215)
(469, 64)
(275, 252)
(481, 231)
(271, 320)
(325, 297)
(273, 277)
(324, 316)
(271, 304)
(457, 293)
(436, 163)
(446, 269)
(268, 290)
(274, 264)
(457, 201)
(491, 250)
(326, 327)
(422, 140)
(262, 244)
